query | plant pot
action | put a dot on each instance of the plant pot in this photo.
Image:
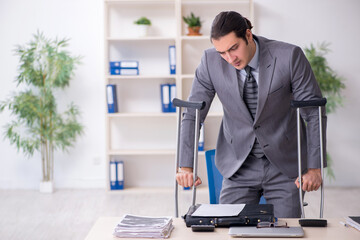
(142, 30)
(46, 187)
(194, 31)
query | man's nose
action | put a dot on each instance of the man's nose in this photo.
(230, 57)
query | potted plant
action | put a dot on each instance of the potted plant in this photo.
(44, 67)
(194, 24)
(330, 84)
(143, 25)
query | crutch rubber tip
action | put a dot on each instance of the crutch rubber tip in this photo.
(313, 222)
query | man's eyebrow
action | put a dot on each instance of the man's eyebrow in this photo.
(228, 49)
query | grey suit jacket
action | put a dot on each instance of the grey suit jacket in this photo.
(284, 75)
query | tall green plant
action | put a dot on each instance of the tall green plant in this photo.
(330, 83)
(44, 67)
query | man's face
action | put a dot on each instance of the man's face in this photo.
(235, 50)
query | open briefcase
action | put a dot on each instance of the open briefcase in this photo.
(250, 215)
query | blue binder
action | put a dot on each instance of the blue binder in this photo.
(124, 71)
(172, 96)
(124, 64)
(172, 59)
(111, 98)
(116, 175)
(165, 97)
(201, 138)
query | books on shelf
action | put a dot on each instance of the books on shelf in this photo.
(126, 67)
(116, 175)
(168, 93)
(132, 226)
(111, 98)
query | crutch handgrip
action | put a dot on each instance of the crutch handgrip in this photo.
(186, 104)
(310, 103)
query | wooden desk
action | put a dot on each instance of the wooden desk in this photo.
(104, 227)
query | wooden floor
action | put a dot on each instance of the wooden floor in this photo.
(69, 214)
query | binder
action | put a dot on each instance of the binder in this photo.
(124, 71)
(120, 174)
(165, 97)
(172, 59)
(116, 175)
(111, 98)
(112, 175)
(201, 138)
(172, 96)
(124, 64)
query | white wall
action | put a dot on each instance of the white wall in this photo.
(82, 22)
(299, 22)
(336, 22)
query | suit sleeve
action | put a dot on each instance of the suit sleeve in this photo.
(305, 87)
(202, 90)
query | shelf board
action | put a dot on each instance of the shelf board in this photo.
(137, 115)
(198, 2)
(187, 76)
(147, 152)
(141, 77)
(142, 1)
(202, 37)
(153, 38)
(156, 115)
(138, 152)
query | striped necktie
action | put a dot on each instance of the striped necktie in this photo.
(250, 97)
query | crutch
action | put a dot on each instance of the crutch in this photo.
(303, 104)
(197, 106)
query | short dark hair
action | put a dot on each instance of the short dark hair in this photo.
(227, 22)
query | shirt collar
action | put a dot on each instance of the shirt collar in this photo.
(254, 63)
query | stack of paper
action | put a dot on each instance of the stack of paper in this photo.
(144, 227)
(353, 221)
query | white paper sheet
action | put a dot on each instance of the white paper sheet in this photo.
(218, 210)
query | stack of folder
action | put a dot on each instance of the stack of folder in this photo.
(144, 227)
(126, 67)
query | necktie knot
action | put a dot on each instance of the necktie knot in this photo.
(248, 70)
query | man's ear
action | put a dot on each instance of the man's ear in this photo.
(249, 35)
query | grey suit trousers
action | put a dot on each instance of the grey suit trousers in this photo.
(258, 176)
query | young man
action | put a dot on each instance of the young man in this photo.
(255, 79)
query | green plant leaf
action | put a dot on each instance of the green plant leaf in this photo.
(192, 20)
(44, 66)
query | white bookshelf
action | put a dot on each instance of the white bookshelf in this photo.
(140, 134)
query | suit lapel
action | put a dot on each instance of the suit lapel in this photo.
(234, 91)
(266, 68)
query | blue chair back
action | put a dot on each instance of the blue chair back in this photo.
(215, 178)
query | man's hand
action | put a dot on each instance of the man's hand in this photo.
(185, 177)
(311, 181)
